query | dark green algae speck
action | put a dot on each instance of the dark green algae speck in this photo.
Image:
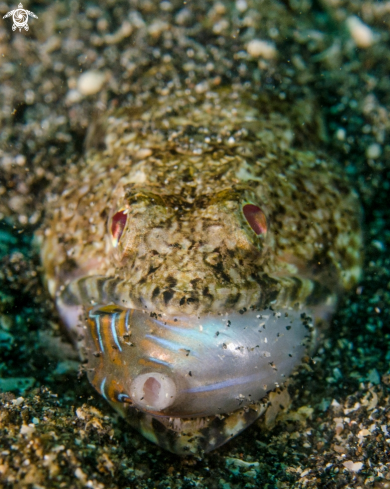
(55, 431)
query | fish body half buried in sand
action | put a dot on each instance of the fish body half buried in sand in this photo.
(195, 254)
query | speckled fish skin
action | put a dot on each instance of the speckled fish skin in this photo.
(182, 166)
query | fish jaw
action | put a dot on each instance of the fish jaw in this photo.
(192, 436)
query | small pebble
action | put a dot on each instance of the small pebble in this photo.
(166, 6)
(353, 466)
(373, 151)
(157, 28)
(73, 97)
(360, 32)
(241, 5)
(264, 49)
(80, 475)
(18, 401)
(184, 16)
(341, 134)
(27, 429)
(90, 82)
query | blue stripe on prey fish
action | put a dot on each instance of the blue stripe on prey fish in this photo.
(196, 257)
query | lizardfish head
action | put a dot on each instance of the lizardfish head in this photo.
(198, 320)
(188, 255)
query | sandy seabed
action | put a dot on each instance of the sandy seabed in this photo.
(76, 59)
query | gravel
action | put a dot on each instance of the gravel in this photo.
(76, 61)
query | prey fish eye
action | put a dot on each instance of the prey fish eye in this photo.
(185, 323)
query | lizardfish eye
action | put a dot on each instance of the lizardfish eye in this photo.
(255, 218)
(118, 225)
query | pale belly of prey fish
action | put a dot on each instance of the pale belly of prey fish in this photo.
(196, 258)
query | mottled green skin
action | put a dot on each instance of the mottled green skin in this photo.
(184, 165)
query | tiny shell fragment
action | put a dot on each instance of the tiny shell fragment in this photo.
(360, 32)
(353, 466)
(264, 49)
(90, 82)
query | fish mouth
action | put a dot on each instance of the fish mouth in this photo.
(192, 436)
(187, 382)
(191, 366)
(182, 299)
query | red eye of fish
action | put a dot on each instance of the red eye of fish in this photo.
(118, 224)
(256, 218)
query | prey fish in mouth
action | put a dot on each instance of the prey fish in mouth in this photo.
(196, 254)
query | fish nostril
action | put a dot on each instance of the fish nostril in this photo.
(153, 391)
